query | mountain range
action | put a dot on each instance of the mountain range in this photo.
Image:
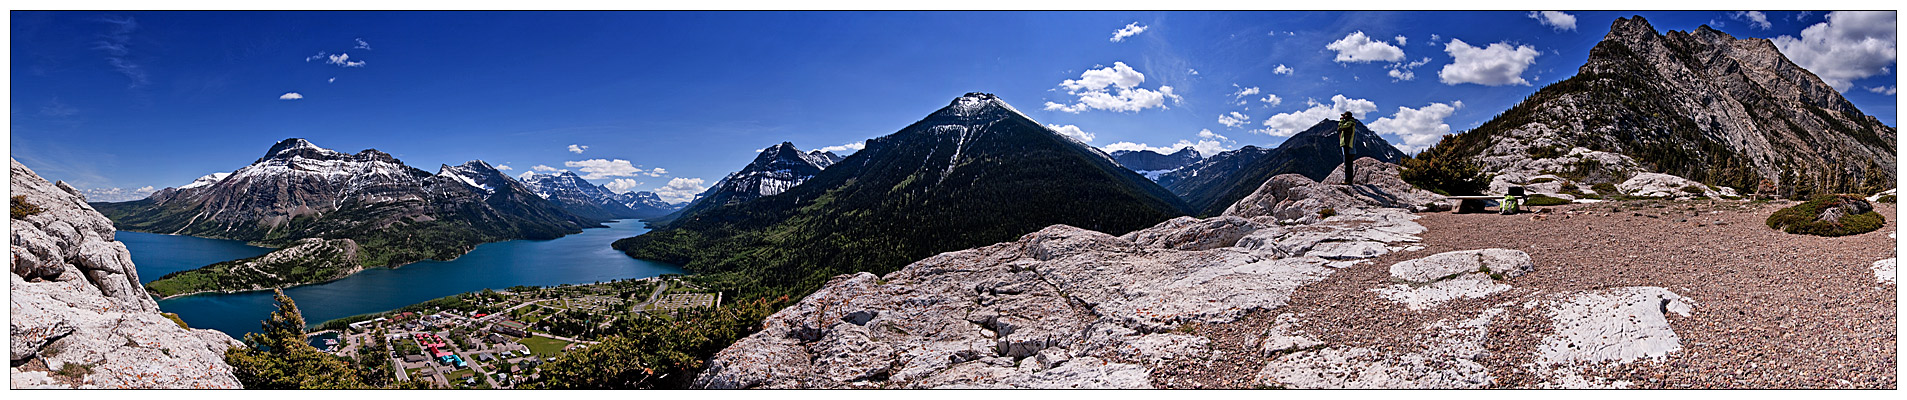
(397, 214)
(588, 200)
(973, 173)
(1702, 105)
(1152, 163)
(1214, 183)
(774, 170)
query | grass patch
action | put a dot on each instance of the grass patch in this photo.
(75, 370)
(1606, 189)
(1327, 213)
(1542, 180)
(1694, 189)
(1800, 219)
(22, 208)
(1889, 199)
(544, 347)
(175, 319)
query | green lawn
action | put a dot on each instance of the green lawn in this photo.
(544, 347)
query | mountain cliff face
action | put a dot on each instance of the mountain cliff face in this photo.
(972, 173)
(775, 170)
(396, 213)
(1701, 105)
(1216, 182)
(588, 200)
(77, 305)
(1143, 161)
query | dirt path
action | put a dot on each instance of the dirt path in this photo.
(1772, 310)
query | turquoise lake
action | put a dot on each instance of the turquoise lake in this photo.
(575, 259)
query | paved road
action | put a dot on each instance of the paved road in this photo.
(661, 286)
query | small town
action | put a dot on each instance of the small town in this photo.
(497, 339)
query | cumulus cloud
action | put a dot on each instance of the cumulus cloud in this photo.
(1557, 20)
(1070, 131)
(1233, 119)
(1208, 144)
(1281, 70)
(1401, 40)
(362, 44)
(290, 96)
(850, 147)
(1404, 71)
(1291, 123)
(1496, 65)
(504, 168)
(1419, 127)
(681, 190)
(1114, 88)
(1130, 29)
(600, 168)
(1356, 47)
(1850, 45)
(1888, 90)
(578, 149)
(332, 80)
(340, 59)
(1271, 100)
(622, 185)
(1243, 91)
(544, 168)
(1753, 18)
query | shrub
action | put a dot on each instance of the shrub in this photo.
(1541, 200)
(1606, 189)
(1694, 189)
(1327, 213)
(22, 209)
(1886, 199)
(75, 370)
(1801, 218)
(1437, 169)
(1543, 152)
(1542, 180)
(175, 319)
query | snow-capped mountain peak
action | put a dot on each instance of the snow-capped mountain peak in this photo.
(207, 180)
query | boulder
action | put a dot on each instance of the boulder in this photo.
(76, 299)
(1619, 325)
(1884, 271)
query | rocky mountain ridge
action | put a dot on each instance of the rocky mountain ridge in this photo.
(79, 317)
(774, 170)
(588, 200)
(1214, 183)
(1151, 163)
(1702, 105)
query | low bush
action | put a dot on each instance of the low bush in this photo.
(1694, 189)
(1886, 199)
(1327, 213)
(1437, 170)
(1802, 218)
(1542, 180)
(1541, 200)
(1606, 189)
(22, 209)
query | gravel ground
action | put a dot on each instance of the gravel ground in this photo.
(1772, 310)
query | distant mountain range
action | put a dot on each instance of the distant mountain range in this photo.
(395, 213)
(1152, 163)
(588, 200)
(1702, 105)
(973, 173)
(774, 170)
(1214, 183)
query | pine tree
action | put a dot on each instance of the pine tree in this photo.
(279, 357)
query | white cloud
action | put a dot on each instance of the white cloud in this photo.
(1271, 100)
(1557, 20)
(578, 149)
(1207, 134)
(622, 185)
(1403, 71)
(1420, 127)
(1244, 91)
(1802, 15)
(1193, 71)
(1233, 119)
(681, 190)
(1356, 47)
(656, 172)
(1889, 90)
(504, 168)
(1112, 88)
(1753, 18)
(1402, 75)
(290, 96)
(1850, 45)
(1130, 29)
(1496, 65)
(332, 80)
(1434, 38)
(117, 194)
(362, 44)
(854, 146)
(1071, 131)
(600, 168)
(1291, 123)
(1401, 40)
(545, 168)
(1208, 144)
(1281, 70)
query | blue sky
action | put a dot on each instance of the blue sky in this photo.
(672, 101)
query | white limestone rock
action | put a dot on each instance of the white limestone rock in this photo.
(1621, 324)
(1509, 263)
(1884, 271)
(1296, 198)
(75, 299)
(1650, 184)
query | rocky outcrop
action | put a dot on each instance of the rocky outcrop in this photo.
(1059, 308)
(1297, 199)
(78, 315)
(1650, 184)
(1429, 281)
(1884, 271)
(1213, 184)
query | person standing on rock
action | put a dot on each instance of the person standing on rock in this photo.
(1347, 135)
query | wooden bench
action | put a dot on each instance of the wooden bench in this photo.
(1470, 204)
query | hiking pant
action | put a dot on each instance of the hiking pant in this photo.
(1348, 172)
